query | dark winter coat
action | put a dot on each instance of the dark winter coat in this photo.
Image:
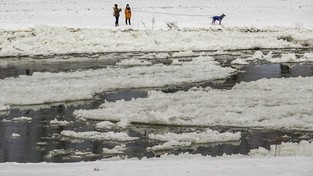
(116, 11)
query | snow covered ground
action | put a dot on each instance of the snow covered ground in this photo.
(52, 27)
(46, 40)
(36, 27)
(196, 165)
(98, 13)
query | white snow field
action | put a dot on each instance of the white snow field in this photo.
(52, 27)
(181, 165)
(36, 27)
(98, 13)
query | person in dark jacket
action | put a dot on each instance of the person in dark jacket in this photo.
(116, 13)
(128, 14)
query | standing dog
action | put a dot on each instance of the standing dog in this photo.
(218, 18)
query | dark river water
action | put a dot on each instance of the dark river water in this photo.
(40, 141)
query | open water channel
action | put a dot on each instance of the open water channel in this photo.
(40, 141)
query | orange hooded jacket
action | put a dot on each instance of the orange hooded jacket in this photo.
(128, 13)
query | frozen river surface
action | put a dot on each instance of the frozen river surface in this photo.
(39, 139)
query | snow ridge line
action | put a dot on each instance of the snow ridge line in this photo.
(87, 54)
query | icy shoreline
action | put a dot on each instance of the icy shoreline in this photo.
(47, 40)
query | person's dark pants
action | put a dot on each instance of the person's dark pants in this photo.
(116, 20)
(127, 20)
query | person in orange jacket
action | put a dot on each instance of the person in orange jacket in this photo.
(128, 14)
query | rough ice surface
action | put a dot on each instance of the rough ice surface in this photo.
(169, 145)
(284, 103)
(133, 62)
(208, 136)
(284, 58)
(119, 149)
(47, 87)
(56, 40)
(174, 140)
(94, 135)
(303, 148)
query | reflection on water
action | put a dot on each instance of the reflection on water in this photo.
(38, 140)
(275, 71)
(256, 72)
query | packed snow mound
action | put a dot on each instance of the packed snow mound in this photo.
(284, 103)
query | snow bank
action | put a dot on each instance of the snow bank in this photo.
(43, 88)
(53, 40)
(267, 103)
